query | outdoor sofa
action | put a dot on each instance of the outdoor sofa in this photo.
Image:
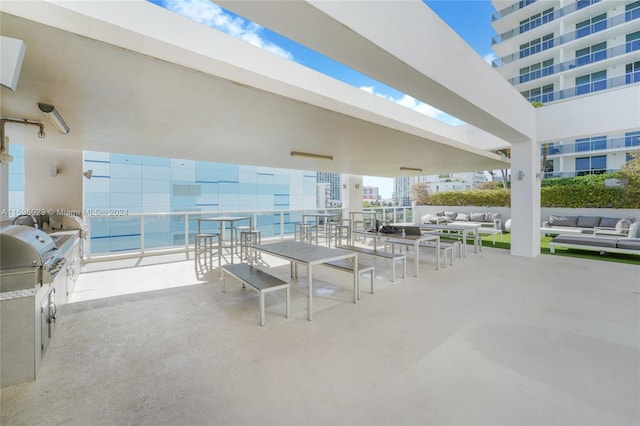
(602, 243)
(597, 225)
(492, 220)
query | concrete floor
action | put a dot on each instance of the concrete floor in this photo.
(494, 340)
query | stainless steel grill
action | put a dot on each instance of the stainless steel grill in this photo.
(24, 247)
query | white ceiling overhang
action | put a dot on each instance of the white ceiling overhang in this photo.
(134, 78)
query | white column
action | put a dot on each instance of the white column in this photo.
(352, 193)
(525, 199)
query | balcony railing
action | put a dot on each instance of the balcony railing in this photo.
(141, 234)
(550, 175)
(583, 147)
(600, 55)
(556, 14)
(620, 19)
(584, 89)
(509, 10)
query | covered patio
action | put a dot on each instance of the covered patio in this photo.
(496, 339)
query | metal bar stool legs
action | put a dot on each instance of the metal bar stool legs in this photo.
(248, 239)
(203, 251)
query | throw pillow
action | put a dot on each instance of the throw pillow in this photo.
(440, 213)
(451, 215)
(462, 217)
(477, 217)
(634, 230)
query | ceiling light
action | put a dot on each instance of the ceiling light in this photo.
(410, 169)
(310, 155)
(54, 116)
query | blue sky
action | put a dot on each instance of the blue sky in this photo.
(471, 19)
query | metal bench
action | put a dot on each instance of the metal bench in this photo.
(386, 255)
(347, 265)
(257, 280)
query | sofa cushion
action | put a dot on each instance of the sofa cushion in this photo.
(588, 221)
(477, 217)
(629, 243)
(608, 222)
(463, 217)
(562, 220)
(494, 216)
(451, 215)
(586, 240)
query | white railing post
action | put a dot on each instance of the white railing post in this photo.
(281, 223)
(142, 234)
(186, 231)
(87, 240)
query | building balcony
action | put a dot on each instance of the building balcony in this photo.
(621, 143)
(580, 61)
(585, 89)
(556, 14)
(511, 9)
(623, 18)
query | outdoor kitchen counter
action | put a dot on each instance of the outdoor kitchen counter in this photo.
(65, 239)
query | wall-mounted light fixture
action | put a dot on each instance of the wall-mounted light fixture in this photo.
(54, 116)
(310, 155)
(410, 169)
(54, 170)
(88, 174)
(357, 186)
(520, 175)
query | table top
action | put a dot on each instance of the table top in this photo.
(398, 236)
(225, 218)
(320, 214)
(456, 226)
(303, 252)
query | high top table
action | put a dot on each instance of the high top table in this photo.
(222, 220)
(310, 255)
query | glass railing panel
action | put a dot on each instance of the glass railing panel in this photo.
(157, 232)
(598, 26)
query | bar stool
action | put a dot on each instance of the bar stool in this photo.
(203, 246)
(306, 233)
(339, 231)
(238, 230)
(248, 239)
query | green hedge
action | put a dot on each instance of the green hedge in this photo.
(576, 196)
(486, 197)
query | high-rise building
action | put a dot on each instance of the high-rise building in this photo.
(552, 51)
(370, 193)
(335, 188)
(436, 183)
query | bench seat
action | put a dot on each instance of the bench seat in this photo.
(386, 255)
(347, 266)
(258, 280)
(601, 244)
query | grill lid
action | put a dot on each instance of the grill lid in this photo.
(24, 246)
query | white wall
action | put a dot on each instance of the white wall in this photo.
(44, 191)
(590, 115)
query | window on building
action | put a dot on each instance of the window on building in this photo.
(590, 26)
(632, 139)
(536, 20)
(539, 94)
(591, 165)
(629, 156)
(591, 144)
(536, 71)
(632, 11)
(633, 42)
(590, 54)
(591, 82)
(632, 72)
(536, 45)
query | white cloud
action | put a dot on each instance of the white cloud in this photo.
(212, 15)
(490, 57)
(416, 105)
